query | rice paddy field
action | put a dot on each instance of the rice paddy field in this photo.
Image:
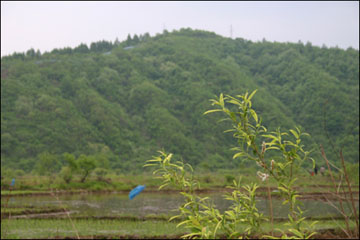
(109, 213)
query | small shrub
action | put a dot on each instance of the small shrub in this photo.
(254, 142)
(353, 172)
(19, 173)
(66, 174)
(96, 187)
(100, 173)
(207, 179)
(229, 178)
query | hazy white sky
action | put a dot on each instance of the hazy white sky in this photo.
(48, 25)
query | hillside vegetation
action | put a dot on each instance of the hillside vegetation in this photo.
(120, 102)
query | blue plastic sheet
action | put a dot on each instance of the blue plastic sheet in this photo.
(12, 182)
(136, 191)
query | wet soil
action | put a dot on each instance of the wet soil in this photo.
(322, 234)
(260, 191)
(62, 214)
(43, 214)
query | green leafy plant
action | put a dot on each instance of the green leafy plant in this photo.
(66, 174)
(100, 173)
(198, 214)
(254, 141)
(86, 164)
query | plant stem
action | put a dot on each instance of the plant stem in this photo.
(351, 194)
(6, 205)
(337, 193)
(271, 209)
(67, 213)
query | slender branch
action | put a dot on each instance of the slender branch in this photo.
(347, 232)
(6, 205)
(350, 191)
(67, 213)
(271, 208)
(333, 181)
(326, 132)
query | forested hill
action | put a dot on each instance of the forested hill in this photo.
(122, 101)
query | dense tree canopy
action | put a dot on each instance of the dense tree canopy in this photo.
(119, 103)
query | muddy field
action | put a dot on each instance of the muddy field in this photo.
(144, 217)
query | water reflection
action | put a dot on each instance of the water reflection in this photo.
(115, 204)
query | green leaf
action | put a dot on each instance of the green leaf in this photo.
(269, 148)
(216, 228)
(191, 235)
(283, 189)
(271, 136)
(246, 94)
(158, 170)
(187, 204)
(231, 214)
(168, 158)
(281, 166)
(149, 165)
(183, 222)
(221, 100)
(154, 160)
(173, 217)
(313, 162)
(190, 167)
(213, 110)
(294, 133)
(313, 223)
(293, 198)
(164, 185)
(252, 94)
(310, 235)
(239, 154)
(234, 101)
(254, 115)
(297, 233)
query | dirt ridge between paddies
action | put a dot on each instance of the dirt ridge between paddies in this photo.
(326, 233)
(260, 192)
(63, 215)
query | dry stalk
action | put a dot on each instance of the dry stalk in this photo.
(351, 194)
(337, 193)
(67, 213)
(271, 208)
(330, 203)
(6, 206)
(344, 215)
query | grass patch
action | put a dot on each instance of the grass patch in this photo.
(20, 210)
(28, 185)
(50, 228)
(44, 228)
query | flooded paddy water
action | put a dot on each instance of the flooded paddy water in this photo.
(160, 203)
(114, 215)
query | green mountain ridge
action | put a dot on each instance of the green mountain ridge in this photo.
(123, 101)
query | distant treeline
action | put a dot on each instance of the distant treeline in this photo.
(122, 101)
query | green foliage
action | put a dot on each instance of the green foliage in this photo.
(48, 164)
(133, 101)
(352, 170)
(199, 214)
(229, 178)
(100, 173)
(243, 210)
(201, 217)
(247, 128)
(71, 162)
(66, 174)
(86, 164)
